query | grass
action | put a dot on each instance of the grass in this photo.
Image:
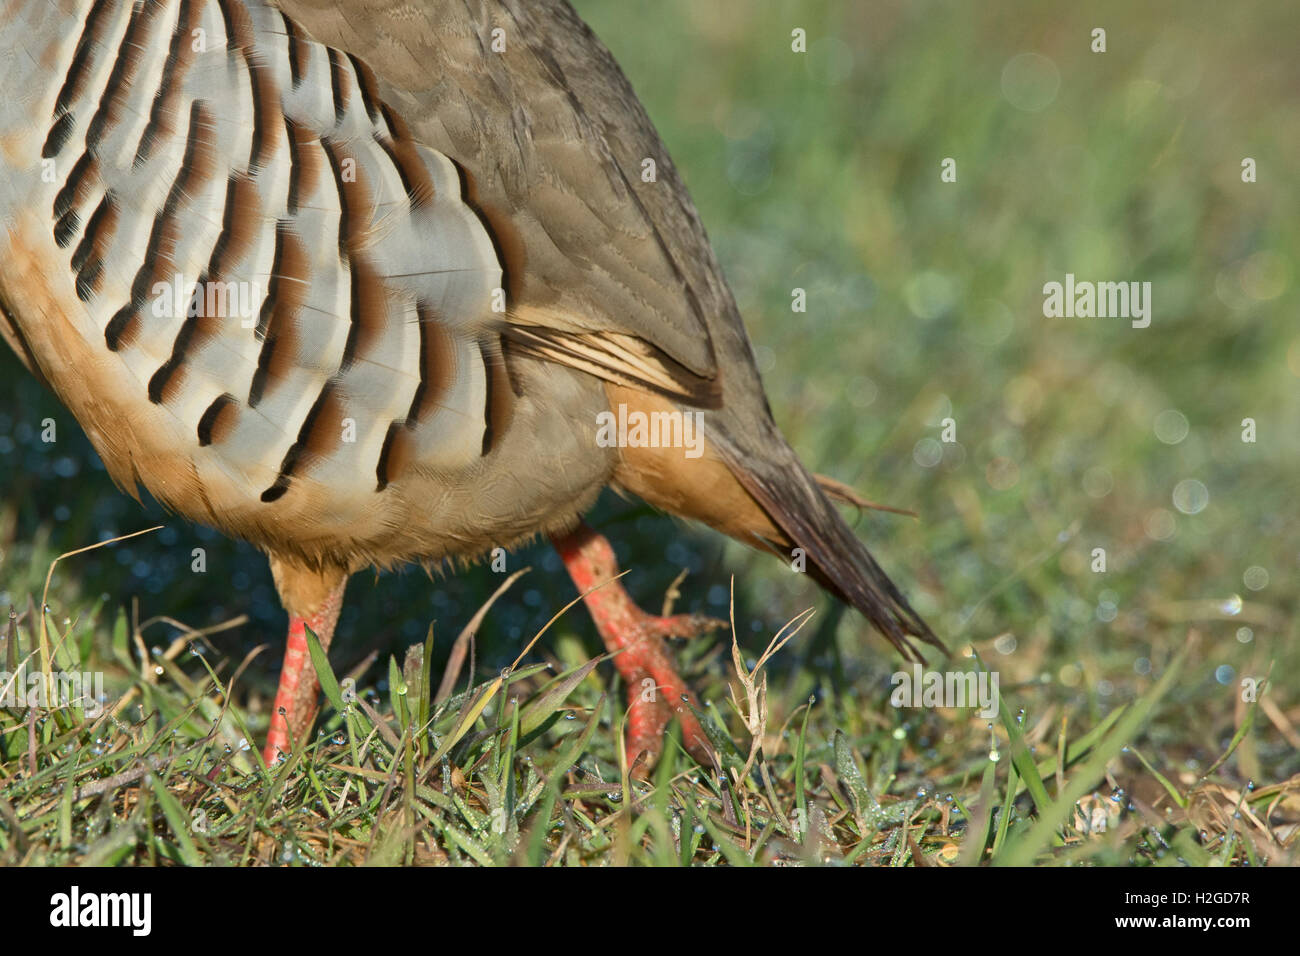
(1125, 738)
(526, 768)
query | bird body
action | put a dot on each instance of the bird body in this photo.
(368, 368)
(354, 280)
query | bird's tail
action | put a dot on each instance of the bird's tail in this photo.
(797, 502)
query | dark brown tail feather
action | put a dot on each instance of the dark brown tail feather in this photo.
(837, 560)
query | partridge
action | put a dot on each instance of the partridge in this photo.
(362, 282)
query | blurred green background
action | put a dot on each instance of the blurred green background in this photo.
(821, 170)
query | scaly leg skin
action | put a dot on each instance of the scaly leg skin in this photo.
(655, 692)
(295, 701)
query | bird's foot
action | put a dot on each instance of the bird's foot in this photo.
(655, 692)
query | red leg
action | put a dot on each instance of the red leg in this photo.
(655, 692)
(295, 701)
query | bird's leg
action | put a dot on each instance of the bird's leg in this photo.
(655, 692)
(313, 600)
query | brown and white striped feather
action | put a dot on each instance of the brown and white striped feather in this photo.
(360, 409)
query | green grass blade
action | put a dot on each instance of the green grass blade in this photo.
(177, 820)
(551, 697)
(321, 662)
(1025, 850)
